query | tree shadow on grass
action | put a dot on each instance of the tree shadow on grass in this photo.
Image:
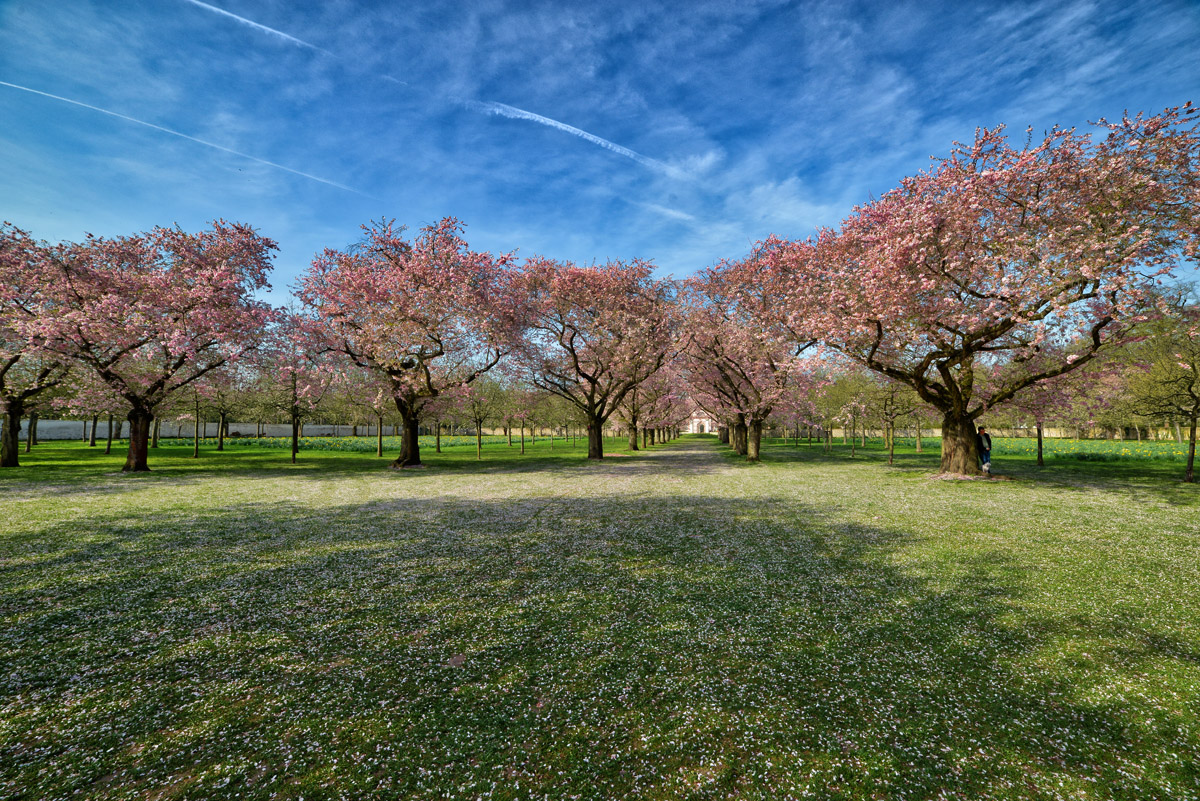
(57, 470)
(594, 647)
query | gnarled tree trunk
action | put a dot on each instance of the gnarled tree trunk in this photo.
(754, 440)
(960, 454)
(139, 441)
(410, 443)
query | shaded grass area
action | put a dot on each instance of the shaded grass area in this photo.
(676, 624)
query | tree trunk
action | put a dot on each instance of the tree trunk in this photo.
(738, 436)
(960, 454)
(633, 432)
(139, 441)
(11, 436)
(1178, 433)
(595, 436)
(221, 431)
(508, 433)
(891, 438)
(84, 437)
(478, 440)
(108, 445)
(754, 440)
(918, 421)
(723, 435)
(155, 431)
(295, 420)
(196, 432)
(31, 433)
(379, 435)
(92, 436)
(522, 437)
(410, 443)
(1040, 433)
(437, 436)
(1190, 475)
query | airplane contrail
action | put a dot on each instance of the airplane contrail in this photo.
(184, 136)
(483, 107)
(512, 112)
(259, 26)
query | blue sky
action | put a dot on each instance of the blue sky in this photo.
(676, 132)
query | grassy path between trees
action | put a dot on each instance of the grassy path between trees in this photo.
(674, 624)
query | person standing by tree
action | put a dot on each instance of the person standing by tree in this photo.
(983, 443)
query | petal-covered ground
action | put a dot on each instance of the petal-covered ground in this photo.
(676, 624)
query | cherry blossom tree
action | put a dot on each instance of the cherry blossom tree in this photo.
(427, 314)
(27, 372)
(294, 353)
(737, 365)
(151, 313)
(1002, 254)
(593, 334)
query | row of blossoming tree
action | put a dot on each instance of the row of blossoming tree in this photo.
(982, 282)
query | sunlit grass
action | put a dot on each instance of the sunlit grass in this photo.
(675, 624)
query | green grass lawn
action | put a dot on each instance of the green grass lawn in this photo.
(672, 624)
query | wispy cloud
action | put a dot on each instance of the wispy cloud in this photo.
(493, 108)
(666, 211)
(259, 26)
(206, 143)
(512, 112)
(480, 106)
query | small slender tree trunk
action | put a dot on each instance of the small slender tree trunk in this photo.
(11, 436)
(221, 431)
(295, 415)
(508, 433)
(437, 437)
(919, 448)
(478, 440)
(92, 437)
(196, 433)
(522, 437)
(108, 444)
(1190, 475)
(1138, 429)
(154, 432)
(379, 435)
(139, 441)
(84, 437)
(1040, 433)
(31, 433)
(891, 438)
(829, 439)
(853, 437)
(1178, 433)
